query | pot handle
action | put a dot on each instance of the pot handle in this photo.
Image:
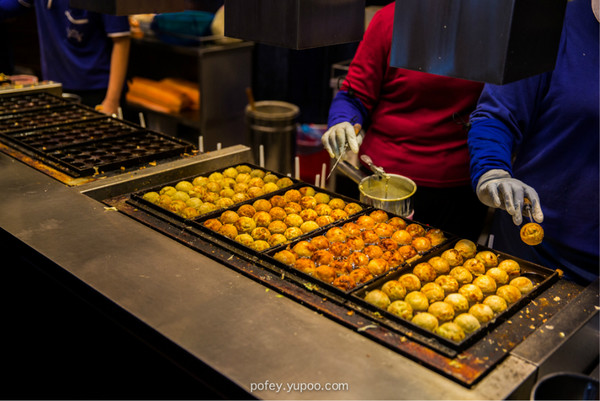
(351, 172)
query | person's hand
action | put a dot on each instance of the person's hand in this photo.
(339, 135)
(496, 188)
(108, 107)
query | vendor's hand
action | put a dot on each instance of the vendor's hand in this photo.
(337, 136)
(496, 188)
(108, 107)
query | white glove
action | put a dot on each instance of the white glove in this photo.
(336, 138)
(496, 188)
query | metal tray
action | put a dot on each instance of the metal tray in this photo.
(59, 115)
(542, 278)
(12, 104)
(270, 255)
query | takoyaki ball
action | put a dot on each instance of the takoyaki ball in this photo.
(198, 192)
(394, 290)
(245, 224)
(475, 266)
(337, 203)
(240, 188)
(407, 252)
(425, 272)
(227, 182)
(292, 207)
(308, 215)
(200, 181)
(443, 311)
(213, 224)
(320, 242)
(458, 301)
(256, 172)
(322, 257)
(261, 233)
(212, 197)
(322, 221)
(378, 298)
(384, 230)
(394, 258)
(416, 230)
(270, 187)
(344, 282)
(229, 231)
(293, 220)
(278, 200)
(244, 239)
(270, 177)
(373, 251)
(417, 300)
(193, 202)
(230, 172)
(286, 257)
(292, 232)
(523, 284)
(410, 282)
(352, 208)
(177, 206)
(325, 273)
(243, 177)
(482, 312)
(499, 275)
(466, 248)
(453, 257)
(397, 222)
(214, 186)
(243, 168)
(448, 283)
(467, 322)
(336, 234)
(378, 266)
(358, 259)
(284, 182)
(402, 309)
(338, 214)
(366, 222)
(488, 258)
(307, 191)
(277, 239)
(277, 213)
(292, 195)
(339, 249)
(471, 292)
(351, 228)
(322, 197)
(433, 292)
(341, 266)
(421, 244)
(361, 275)
(511, 267)
(308, 202)
(262, 219)
(309, 226)
(451, 331)
(426, 321)
(323, 209)
(369, 236)
(207, 207)
(254, 192)
(436, 236)
(224, 202)
(304, 249)
(462, 275)
(388, 244)
(486, 283)
(440, 265)
(355, 243)
(239, 197)
(380, 216)
(305, 265)
(510, 293)
(402, 237)
(497, 303)
(227, 193)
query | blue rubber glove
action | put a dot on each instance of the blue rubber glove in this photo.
(496, 188)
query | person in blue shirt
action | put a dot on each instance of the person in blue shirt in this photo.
(85, 51)
(537, 138)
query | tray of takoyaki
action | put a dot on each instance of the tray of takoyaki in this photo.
(192, 198)
(270, 221)
(351, 253)
(454, 295)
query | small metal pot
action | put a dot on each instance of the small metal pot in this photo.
(393, 194)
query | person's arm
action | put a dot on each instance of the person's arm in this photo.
(118, 71)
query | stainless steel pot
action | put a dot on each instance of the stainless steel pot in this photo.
(393, 193)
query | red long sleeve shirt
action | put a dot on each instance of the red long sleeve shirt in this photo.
(412, 131)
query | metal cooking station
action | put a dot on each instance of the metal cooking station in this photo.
(208, 308)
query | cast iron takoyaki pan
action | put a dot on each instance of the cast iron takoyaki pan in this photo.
(18, 103)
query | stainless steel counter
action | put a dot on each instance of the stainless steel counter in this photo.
(248, 334)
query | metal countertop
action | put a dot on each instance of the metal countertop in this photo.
(223, 319)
